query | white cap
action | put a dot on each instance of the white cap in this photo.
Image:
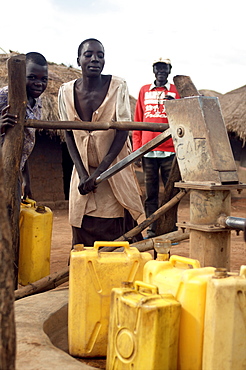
(162, 60)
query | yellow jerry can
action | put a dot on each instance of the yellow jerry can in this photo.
(225, 322)
(167, 274)
(143, 329)
(35, 242)
(92, 275)
(188, 285)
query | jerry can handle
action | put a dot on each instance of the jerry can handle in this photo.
(186, 261)
(140, 284)
(99, 244)
(28, 201)
(243, 271)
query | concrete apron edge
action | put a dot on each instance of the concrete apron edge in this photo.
(34, 349)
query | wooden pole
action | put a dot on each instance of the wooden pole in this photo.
(148, 244)
(100, 125)
(185, 86)
(167, 222)
(12, 148)
(161, 211)
(47, 283)
(7, 323)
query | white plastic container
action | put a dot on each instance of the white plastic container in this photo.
(225, 322)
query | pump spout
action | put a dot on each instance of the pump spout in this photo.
(237, 223)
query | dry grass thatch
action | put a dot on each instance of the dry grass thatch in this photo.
(233, 103)
(233, 106)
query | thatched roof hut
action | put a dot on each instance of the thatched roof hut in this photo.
(234, 111)
(233, 105)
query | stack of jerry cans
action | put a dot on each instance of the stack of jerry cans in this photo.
(92, 276)
(35, 242)
(225, 322)
(143, 329)
(188, 286)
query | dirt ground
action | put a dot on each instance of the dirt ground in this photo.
(61, 235)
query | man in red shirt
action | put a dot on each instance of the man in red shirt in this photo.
(150, 108)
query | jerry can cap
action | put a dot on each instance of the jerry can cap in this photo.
(220, 273)
(40, 209)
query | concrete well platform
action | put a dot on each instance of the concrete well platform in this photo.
(41, 333)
